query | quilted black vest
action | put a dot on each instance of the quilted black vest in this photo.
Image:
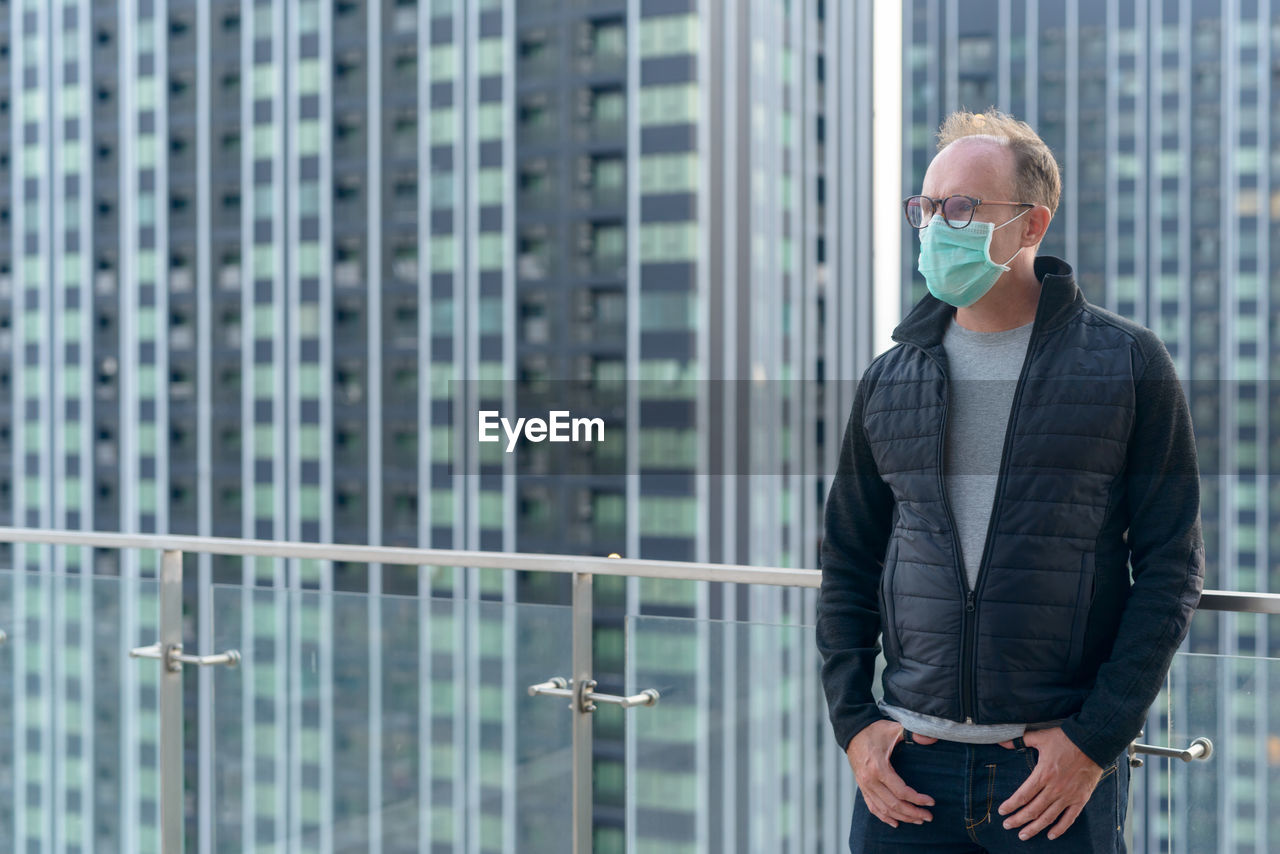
(1017, 648)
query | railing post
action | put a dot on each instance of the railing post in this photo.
(171, 801)
(582, 747)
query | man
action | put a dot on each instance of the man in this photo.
(1004, 465)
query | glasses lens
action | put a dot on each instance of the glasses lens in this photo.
(915, 208)
(958, 210)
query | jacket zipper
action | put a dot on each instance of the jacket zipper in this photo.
(969, 620)
(970, 604)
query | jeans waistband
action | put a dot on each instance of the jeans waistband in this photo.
(909, 737)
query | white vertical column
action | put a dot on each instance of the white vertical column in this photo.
(53, 244)
(886, 181)
(1262, 481)
(511, 616)
(1184, 64)
(1233, 699)
(949, 39)
(87, 405)
(1144, 78)
(631, 535)
(426, 735)
(466, 824)
(286, 442)
(837, 359)
(285, 675)
(18, 286)
(127, 355)
(727, 445)
(247, 793)
(851, 250)
(204, 452)
(1179, 795)
(1032, 54)
(702, 413)
(160, 253)
(373, 259)
(1071, 182)
(466, 34)
(1004, 27)
(325, 626)
(701, 307)
(1112, 148)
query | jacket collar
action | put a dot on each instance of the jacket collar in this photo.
(1060, 299)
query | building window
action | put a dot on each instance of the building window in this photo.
(668, 34)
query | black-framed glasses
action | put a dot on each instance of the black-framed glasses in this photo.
(957, 211)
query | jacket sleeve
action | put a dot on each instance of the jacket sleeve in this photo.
(855, 535)
(1166, 554)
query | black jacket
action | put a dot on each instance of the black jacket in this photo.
(1098, 477)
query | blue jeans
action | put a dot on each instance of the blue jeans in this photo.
(968, 782)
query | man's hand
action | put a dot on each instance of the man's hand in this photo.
(888, 798)
(1061, 784)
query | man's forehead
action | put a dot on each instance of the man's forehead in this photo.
(973, 166)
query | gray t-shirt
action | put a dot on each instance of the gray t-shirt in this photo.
(983, 368)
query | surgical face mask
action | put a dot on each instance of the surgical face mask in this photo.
(956, 262)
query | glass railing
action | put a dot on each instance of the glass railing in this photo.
(1232, 801)
(356, 719)
(735, 755)
(432, 709)
(79, 721)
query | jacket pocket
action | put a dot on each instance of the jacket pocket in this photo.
(1083, 605)
(887, 627)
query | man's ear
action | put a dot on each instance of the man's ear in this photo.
(1039, 219)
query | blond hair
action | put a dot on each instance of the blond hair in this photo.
(1036, 174)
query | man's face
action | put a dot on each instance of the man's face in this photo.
(983, 169)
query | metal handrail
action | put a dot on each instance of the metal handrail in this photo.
(1240, 603)
(1210, 600)
(776, 576)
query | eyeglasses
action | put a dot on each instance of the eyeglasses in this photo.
(957, 211)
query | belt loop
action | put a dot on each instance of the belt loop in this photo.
(906, 736)
(1019, 744)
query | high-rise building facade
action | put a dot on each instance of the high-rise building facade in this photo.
(266, 260)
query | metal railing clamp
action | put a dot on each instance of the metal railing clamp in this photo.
(173, 656)
(585, 698)
(1201, 748)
